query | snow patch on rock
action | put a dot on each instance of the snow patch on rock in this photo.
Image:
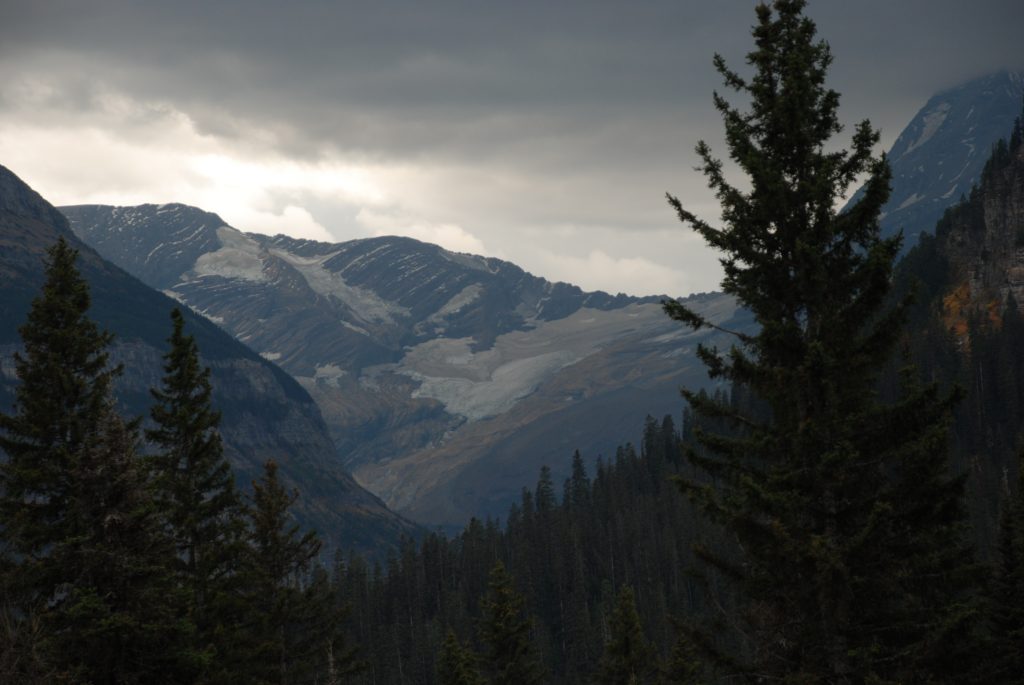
(238, 257)
(461, 300)
(497, 394)
(471, 261)
(486, 383)
(933, 120)
(329, 374)
(366, 304)
(913, 199)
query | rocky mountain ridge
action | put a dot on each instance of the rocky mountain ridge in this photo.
(447, 379)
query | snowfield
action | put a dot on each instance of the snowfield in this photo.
(478, 385)
(238, 257)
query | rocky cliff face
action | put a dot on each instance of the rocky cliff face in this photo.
(446, 379)
(939, 156)
(983, 241)
(266, 414)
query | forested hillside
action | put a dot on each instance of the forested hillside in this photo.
(966, 330)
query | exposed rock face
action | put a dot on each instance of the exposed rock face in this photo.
(939, 156)
(266, 414)
(446, 379)
(983, 241)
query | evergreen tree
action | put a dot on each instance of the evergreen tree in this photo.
(195, 487)
(1006, 596)
(24, 657)
(684, 665)
(628, 657)
(506, 633)
(320, 629)
(850, 558)
(118, 622)
(456, 665)
(545, 493)
(578, 488)
(293, 626)
(63, 395)
(89, 592)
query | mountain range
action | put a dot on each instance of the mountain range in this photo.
(447, 380)
(441, 381)
(266, 413)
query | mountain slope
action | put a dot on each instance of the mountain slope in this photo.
(266, 414)
(939, 156)
(966, 328)
(446, 379)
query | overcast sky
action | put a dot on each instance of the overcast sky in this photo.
(545, 133)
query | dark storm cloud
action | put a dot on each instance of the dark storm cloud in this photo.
(549, 116)
(459, 77)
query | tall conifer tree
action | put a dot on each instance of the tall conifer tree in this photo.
(63, 395)
(119, 621)
(456, 664)
(851, 555)
(628, 657)
(505, 631)
(195, 487)
(1006, 594)
(293, 622)
(90, 579)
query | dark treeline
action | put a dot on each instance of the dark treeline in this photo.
(571, 547)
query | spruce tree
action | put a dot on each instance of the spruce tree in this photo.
(456, 664)
(505, 631)
(628, 657)
(850, 560)
(88, 590)
(289, 634)
(1006, 594)
(195, 488)
(684, 666)
(119, 621)
(64, 393)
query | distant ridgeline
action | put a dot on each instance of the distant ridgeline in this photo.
(446, 380)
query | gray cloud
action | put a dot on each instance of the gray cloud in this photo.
(537, 115)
